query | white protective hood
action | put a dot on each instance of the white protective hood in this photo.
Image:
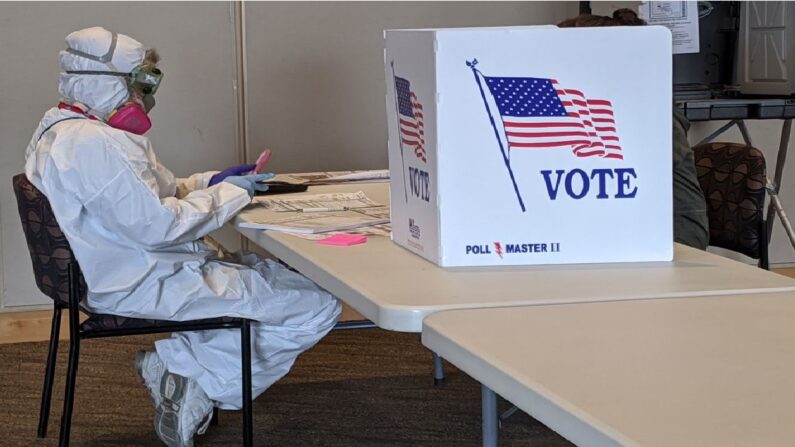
(100, 93)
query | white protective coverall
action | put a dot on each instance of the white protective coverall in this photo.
(137, 233)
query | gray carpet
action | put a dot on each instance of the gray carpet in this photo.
(355, 388)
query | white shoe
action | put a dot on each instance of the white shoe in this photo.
(184, 410)
(150, 370)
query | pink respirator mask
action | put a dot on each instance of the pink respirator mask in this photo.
(130, 117)
(146, 78)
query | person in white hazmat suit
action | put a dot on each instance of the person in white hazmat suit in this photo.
(137, 232)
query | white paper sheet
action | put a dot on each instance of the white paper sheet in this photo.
(285, 214)
(335, 177)
(348, 200)
(681, 17)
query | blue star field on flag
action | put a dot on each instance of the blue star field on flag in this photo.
(525, 97)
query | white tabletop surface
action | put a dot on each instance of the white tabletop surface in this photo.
(396, 289)
(712, 371)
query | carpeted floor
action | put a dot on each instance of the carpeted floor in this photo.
(356, 388)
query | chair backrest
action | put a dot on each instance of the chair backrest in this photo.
(50, 252)
(733, 177)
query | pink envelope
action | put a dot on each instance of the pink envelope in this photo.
(344, 240)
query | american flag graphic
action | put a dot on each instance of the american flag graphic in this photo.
(539, 113)
(412, 130)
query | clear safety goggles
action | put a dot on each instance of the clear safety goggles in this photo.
(144, 78)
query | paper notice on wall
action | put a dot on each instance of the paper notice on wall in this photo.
(679, 17)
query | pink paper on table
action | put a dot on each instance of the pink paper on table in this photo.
(344, 240)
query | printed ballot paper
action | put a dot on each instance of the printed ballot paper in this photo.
(335, 177)
(531, 145)
(309, 214)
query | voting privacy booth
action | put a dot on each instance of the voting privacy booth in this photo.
(531, 145)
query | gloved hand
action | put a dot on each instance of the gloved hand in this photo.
(234, 170)
(249, 182)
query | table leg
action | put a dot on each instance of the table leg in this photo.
(715, 134)
(775, 204)
(438, 370)
(744, 132)
(489, 416)
(506, 414)
(775, 186)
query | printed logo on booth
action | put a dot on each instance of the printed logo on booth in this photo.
(530, 113)
(502, 249)
(414, 229)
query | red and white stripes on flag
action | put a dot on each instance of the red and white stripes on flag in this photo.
(410, 115)
(539, 113)
(412, 130)
(596, 119)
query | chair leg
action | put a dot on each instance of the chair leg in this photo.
(248, 423)
(69, 395)
(52, 357)
(74, 352)
(764, 261)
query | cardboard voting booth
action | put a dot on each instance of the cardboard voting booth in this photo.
(531, 145)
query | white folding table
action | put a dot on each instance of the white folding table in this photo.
(706, 371)
(397, 289)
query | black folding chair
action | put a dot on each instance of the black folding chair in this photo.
(58, 276)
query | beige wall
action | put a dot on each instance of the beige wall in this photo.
(315, 84)
(194, 119)
(316, 75)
